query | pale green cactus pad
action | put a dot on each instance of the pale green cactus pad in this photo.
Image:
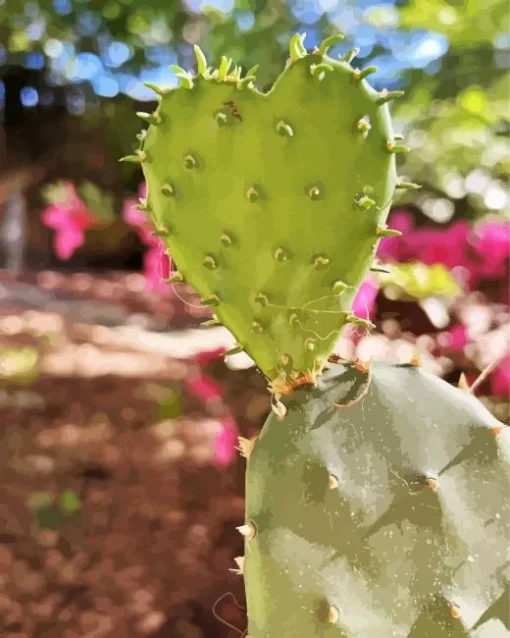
(272, 205)
(388, 516)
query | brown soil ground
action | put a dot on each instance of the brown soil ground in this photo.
(149, 552)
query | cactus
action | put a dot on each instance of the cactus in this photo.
(375, 494)
(290, 191)
(378, 507)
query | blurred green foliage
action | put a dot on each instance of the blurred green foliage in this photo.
(99, 203)
(51, 510)
(170, 405)
(418, 281)
(19, 365)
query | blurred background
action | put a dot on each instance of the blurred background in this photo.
(120, 484)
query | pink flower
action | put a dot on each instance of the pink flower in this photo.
(492, 241)
(458, 337)
(438, 246)
(364, 302)
(501, 379)
(205, 388)
(211, 392)
(138, 218)
(157, 265)
(491, 250)
(455, 339)
(206, 356)
(225, 443)
(69, 219)
(396, 248)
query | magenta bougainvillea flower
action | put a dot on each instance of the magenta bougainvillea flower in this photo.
(157, 265)
(201, 385)
(204, 357)
(225, 442)
(364, 303)
(458, 337)
(446, 246)
(204, 388)
(482, 252)
(397, 248)
(430, 246)
(209, 390)
(455, 339)
(490, 242)
(500, 383)
(69, 218)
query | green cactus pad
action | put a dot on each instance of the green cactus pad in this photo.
(389, 516)
(273, 201)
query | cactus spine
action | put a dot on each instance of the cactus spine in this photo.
(375, 494)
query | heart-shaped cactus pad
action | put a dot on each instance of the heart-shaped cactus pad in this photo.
(272, 204)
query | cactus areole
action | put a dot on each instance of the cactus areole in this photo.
(376, 495)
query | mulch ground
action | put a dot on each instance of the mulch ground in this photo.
(149, 550)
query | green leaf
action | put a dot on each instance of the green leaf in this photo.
(170, 406)
(98, 202)
(19, 365)
(49, 517)
(70, 502)
(420, 281)
(56, 193)
(39, 500)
